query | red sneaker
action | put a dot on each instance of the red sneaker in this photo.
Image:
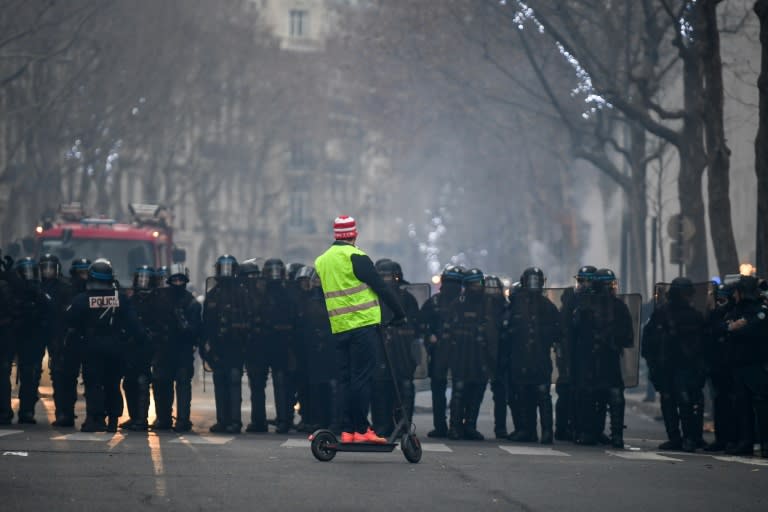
(348, 437)
(369, 437)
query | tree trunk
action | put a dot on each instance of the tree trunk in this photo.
(761, 144)
(718, 153)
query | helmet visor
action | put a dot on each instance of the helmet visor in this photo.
(534, 282)
(49, 270)
(226, 268)
(142, 281)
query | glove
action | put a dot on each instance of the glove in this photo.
(398, 321)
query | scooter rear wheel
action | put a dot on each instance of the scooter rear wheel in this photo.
(411, 447)
(320, 445)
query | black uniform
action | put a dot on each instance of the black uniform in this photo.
(173, 362)
(673, 347)
(403, 350)
(225, 327)
(531, 329)
(750, 351)
(601, 328)
(103, 320)
(433, 325)
(256, 362)
(64, 394)
(719, 360)
(6, 348)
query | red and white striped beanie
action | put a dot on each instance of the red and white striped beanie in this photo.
(344, 227)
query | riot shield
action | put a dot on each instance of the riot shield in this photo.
(559, 297)
(421, 292)
(226, 321)
(703, 301)
(630, 357)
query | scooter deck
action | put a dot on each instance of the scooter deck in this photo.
(363, 447)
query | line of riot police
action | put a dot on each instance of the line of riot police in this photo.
(702, 332)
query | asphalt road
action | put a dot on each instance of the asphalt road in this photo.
(42, 468)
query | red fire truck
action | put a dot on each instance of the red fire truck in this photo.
(146, 240)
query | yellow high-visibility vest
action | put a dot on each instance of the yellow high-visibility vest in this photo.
(351, 303)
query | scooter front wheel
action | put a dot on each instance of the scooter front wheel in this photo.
(411, 447)
(323, 445)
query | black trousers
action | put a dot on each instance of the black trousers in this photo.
(356, 362)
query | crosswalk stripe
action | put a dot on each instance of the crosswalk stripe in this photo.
(296, 443)
(633, 455)
(436, 447)
(86, 436)
(532, 450)
(10, 432)
(209, 440)
(742, 460)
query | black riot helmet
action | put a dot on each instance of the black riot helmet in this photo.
(474, 280)
(680, 290)
(398, 272)
(532, 279)
(79, 268)
(292, 270)
(27, 269)
(604, 281)
(178, 275)
(388, 270)
(381, 261)
(250, 269)
(584, 276)
(494, 286)
(274, 269)
(226, 266)
(748, 288)
(50, 266)
(100, 274)
(304, 277)
(453, 274)
(160, 276)
(143, 278)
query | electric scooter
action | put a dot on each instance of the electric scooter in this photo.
(325, 445)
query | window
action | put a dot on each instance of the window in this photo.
(299, 23)
(299, 199)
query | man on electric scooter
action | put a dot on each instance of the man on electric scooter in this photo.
(352, 289)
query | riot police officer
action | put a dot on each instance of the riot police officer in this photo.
(61, 295)
(225, 327)
(747, 326)
(494, 291)
(531, 330)
(673, 348)
(279, 315)
(137, 373)
(564, 411)
(173, 364)
(255, 350)
(600, 329)
(403, 353)
(100, 317)
(475, 340)
(78, 274)
(433, 326)
(33, 316)
(6, 345)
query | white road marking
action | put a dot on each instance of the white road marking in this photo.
(210, 440)
(435, 447)
(632, 455)
(296, 443)
(742, 460)
(10, 432)
(533, 450)
(17, 454)
(86, 436)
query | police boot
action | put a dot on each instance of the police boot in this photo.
(256, 383)
(562, 413)
(93, 424)
(499, 390)
(183, 400)
(282, 403)
(456, 421)
(761, 413)
(526, 432)
(235, 401)
(221, 399)
(602, 410)
(439, 408)
(112, 424)
(617, 405)
(689, 421)
(163, 389)
(671, 422)
(544, 400)
(745, 413)
(475, 397)
(28, 393)
(6, 412)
